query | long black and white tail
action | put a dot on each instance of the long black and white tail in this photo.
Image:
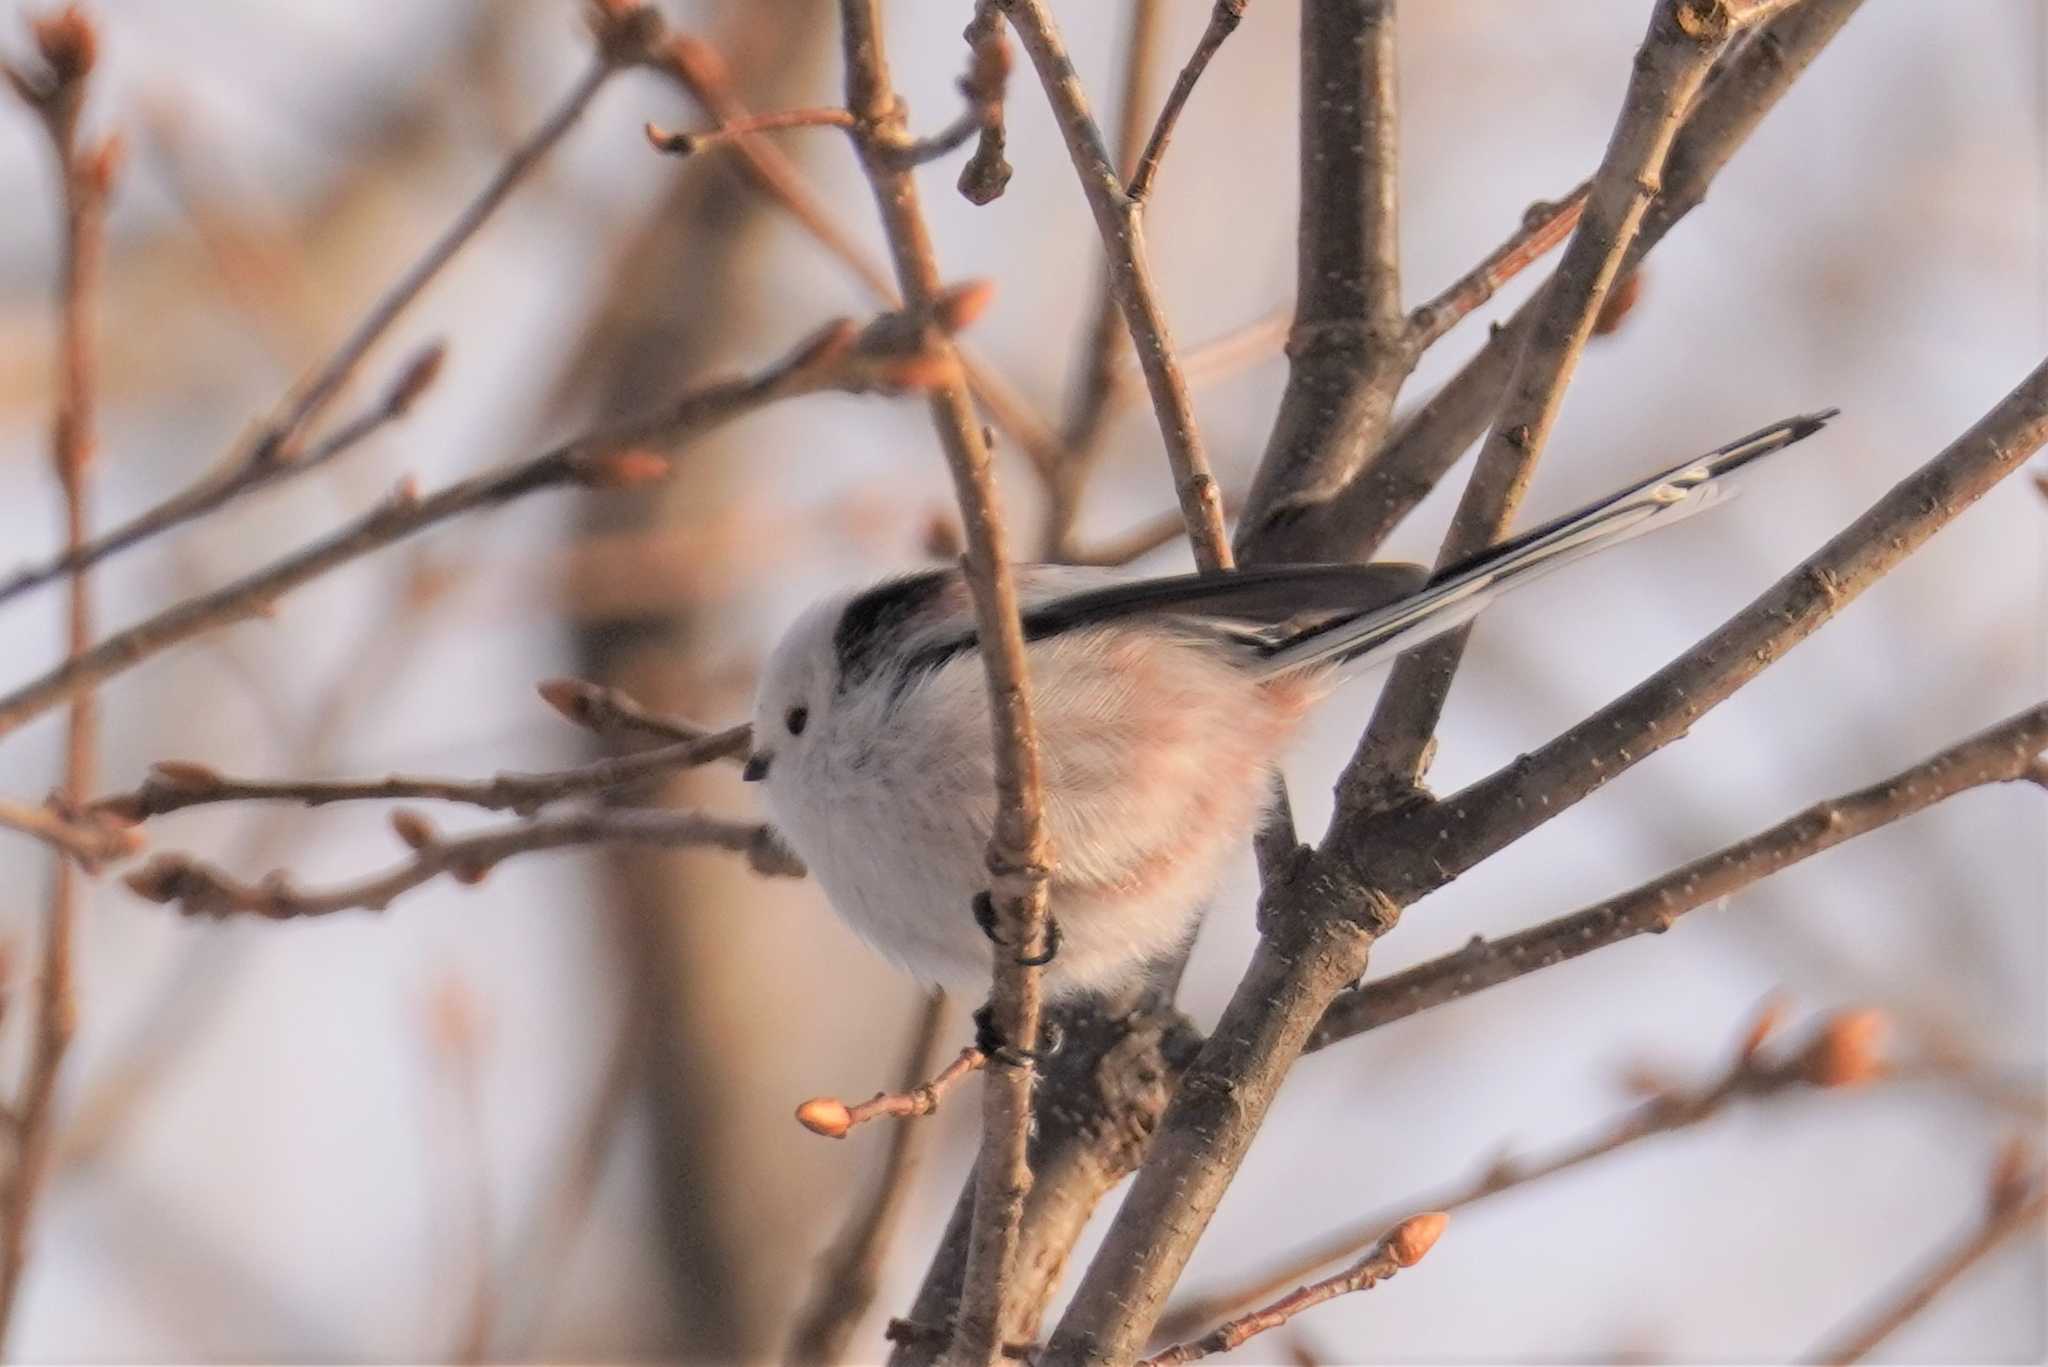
(1454, 595)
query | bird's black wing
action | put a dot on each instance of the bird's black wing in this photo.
(1264, 605)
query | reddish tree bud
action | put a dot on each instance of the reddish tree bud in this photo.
(823, 1115)
(1415, 1236)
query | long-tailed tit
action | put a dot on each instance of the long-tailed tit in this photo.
(1162, 707)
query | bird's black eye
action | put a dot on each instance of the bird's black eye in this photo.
(796, 719)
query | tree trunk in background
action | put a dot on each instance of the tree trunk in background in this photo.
(740, 1186)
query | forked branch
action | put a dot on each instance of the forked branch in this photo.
(1019, 858)
(888, 356)
(2002, 754)
(199, 889)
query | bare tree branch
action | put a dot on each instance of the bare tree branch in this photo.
(200, 890)
(698, 70)
(983, 86)
(1348, 350)
(609, 711)
(1223, 21)
(1840, 1052)
(1403, 1246)
(1018, 855)
(213, 492)
(832, 359)
(1669, 70)
(1317, 926)
(1103, 1094)
(851, 1269)
(1543, 227)
(1424, 446)
(919, 1096)
(690, 144)
(1457, 832)
(2015, 1213)
(2001, 754)
(173, 785)
(67, 46)
(91, 842)
(1096, 377)
(623, 35)
(1121, 225)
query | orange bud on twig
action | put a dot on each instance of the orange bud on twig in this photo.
(825, 1115)
(1415, 1236)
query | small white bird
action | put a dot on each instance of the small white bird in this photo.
(1162, 707)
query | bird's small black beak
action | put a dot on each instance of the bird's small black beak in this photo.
(757, 766)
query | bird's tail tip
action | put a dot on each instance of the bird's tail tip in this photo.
(1806, 424)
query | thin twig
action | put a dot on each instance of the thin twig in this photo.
(689, 144)
(834, 358)
(987, 173)
(1670, 68)
(1544, 225)
(1923, 1286)
(268, 456)
(1018, 854)
(1840, 1052)
(2001, 754)
(1450, 836)
(67, 44)
(1223, 21)
(1403, 1246)
(1317, 936)
(212, 492)
(919, 1096)
(983, 86)
(196, 988)
(1121, 227)
(850, 1271)
(695, 67)
(623, 34)
(1118, 1077)
(1096, 377)
(173, 785)
(1427, 443)
(1102, 1096)
(200, 890)
(611, 711)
